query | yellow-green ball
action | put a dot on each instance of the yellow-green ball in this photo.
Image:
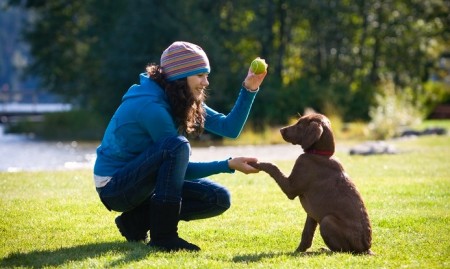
(258, 66)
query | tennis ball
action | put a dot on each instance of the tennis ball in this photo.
(258, 66)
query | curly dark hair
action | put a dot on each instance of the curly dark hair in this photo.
(187, 111)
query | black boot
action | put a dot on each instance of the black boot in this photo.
(135, 224)
(164, 219)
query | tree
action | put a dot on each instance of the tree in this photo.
(326, 54)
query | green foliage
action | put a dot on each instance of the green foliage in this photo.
(393, 110)
(55, 219)
(432, 94)
(321, 54)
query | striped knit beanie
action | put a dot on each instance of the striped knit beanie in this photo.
(183, 59)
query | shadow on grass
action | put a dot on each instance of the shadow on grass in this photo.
(261, 256)
(50, 258)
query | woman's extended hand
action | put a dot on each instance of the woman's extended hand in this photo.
(241, 164)
(253, 81)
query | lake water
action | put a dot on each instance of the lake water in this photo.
(23, 153)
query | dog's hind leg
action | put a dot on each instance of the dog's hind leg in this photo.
(307, 234)
(334, 234)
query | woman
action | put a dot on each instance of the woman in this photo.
(143, 167)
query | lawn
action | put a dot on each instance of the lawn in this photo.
(55, 219)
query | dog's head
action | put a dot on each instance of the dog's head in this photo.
(312, 131)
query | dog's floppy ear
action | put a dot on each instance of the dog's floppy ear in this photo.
(311, 134)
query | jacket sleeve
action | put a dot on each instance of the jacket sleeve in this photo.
(230, 125)
(205, 169)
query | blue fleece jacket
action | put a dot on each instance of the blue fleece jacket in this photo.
(144, 117)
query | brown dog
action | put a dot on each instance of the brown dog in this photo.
(326, 193)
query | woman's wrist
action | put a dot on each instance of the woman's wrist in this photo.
(247, 88)
(230, 165)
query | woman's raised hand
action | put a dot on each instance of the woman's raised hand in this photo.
(253, 81)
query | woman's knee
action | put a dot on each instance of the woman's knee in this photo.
(178, 145)
(222, 204)
(213, 193)
(223, 198)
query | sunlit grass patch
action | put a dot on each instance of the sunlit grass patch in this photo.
(55, 219)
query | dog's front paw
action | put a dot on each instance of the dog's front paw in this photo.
(258, 165)
(255, 165)
(266, 167)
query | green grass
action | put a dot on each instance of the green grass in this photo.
(55, 219)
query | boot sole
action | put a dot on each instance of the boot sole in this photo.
(173, 245)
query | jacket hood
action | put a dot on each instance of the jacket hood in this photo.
(147, 87)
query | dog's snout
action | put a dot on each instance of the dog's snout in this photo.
(284, 132)
(287, 134)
